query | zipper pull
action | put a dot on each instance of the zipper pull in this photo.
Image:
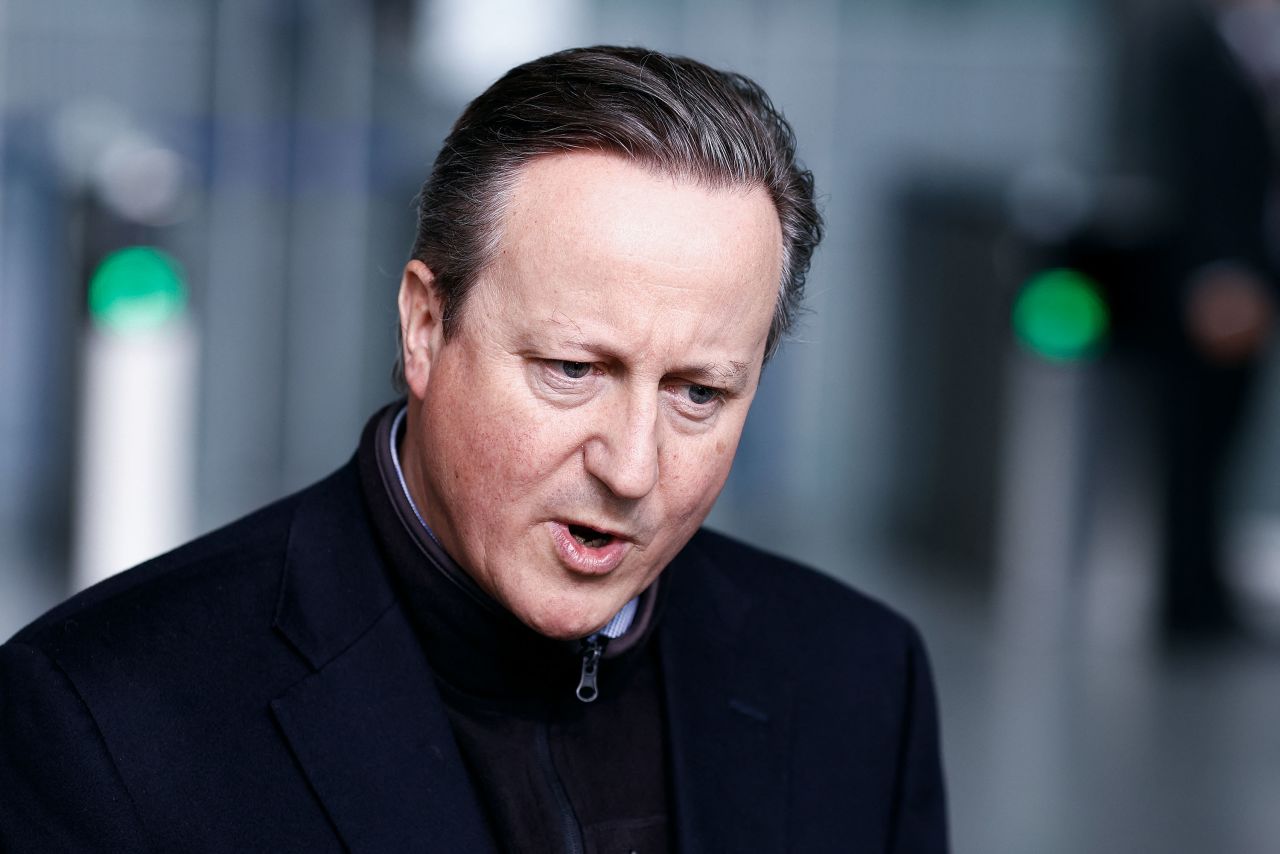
(592, 649)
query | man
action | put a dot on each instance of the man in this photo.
(500, 627)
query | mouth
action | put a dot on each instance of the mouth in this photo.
(590, 537)
(588, 551)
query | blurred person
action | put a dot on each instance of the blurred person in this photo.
(500, 625)
(1199, 115)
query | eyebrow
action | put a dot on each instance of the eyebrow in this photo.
(733, 373)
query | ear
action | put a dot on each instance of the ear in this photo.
(421, 325)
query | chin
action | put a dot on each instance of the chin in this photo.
(568, 620)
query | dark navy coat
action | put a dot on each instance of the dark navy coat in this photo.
(261, 689)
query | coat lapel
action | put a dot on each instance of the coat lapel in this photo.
(728, 717)
(367, 726)
(371, 734)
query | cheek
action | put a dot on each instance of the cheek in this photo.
(694, 476)
(508, 452)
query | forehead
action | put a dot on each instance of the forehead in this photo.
(625, 207)
(591, 239)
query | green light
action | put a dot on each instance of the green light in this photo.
(136, 288)
(1060, 316)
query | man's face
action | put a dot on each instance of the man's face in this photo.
(574, 433)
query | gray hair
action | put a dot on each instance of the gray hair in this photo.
(669, 113)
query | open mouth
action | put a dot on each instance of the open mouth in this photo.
(586, 551)
(590, 537)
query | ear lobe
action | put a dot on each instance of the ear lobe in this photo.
(421, 325)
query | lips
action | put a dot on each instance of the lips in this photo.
(586, 550)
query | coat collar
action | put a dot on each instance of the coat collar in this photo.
(369, 730)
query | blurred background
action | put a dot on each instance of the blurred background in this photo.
(1033, 405)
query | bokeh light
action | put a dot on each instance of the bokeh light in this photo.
(1060, 316)
(136, 288)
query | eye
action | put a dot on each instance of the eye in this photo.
(702, 395)
(574, 370)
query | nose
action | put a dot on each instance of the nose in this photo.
(623, 453)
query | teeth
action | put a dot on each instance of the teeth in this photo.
(588, 537)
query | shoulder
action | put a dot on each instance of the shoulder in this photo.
(798, 600)
(845, 651)
(213, 593)
(169, 588)
(93, 685)
(178, 657)
(849, 675)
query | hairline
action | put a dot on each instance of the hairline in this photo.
(501, 188)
